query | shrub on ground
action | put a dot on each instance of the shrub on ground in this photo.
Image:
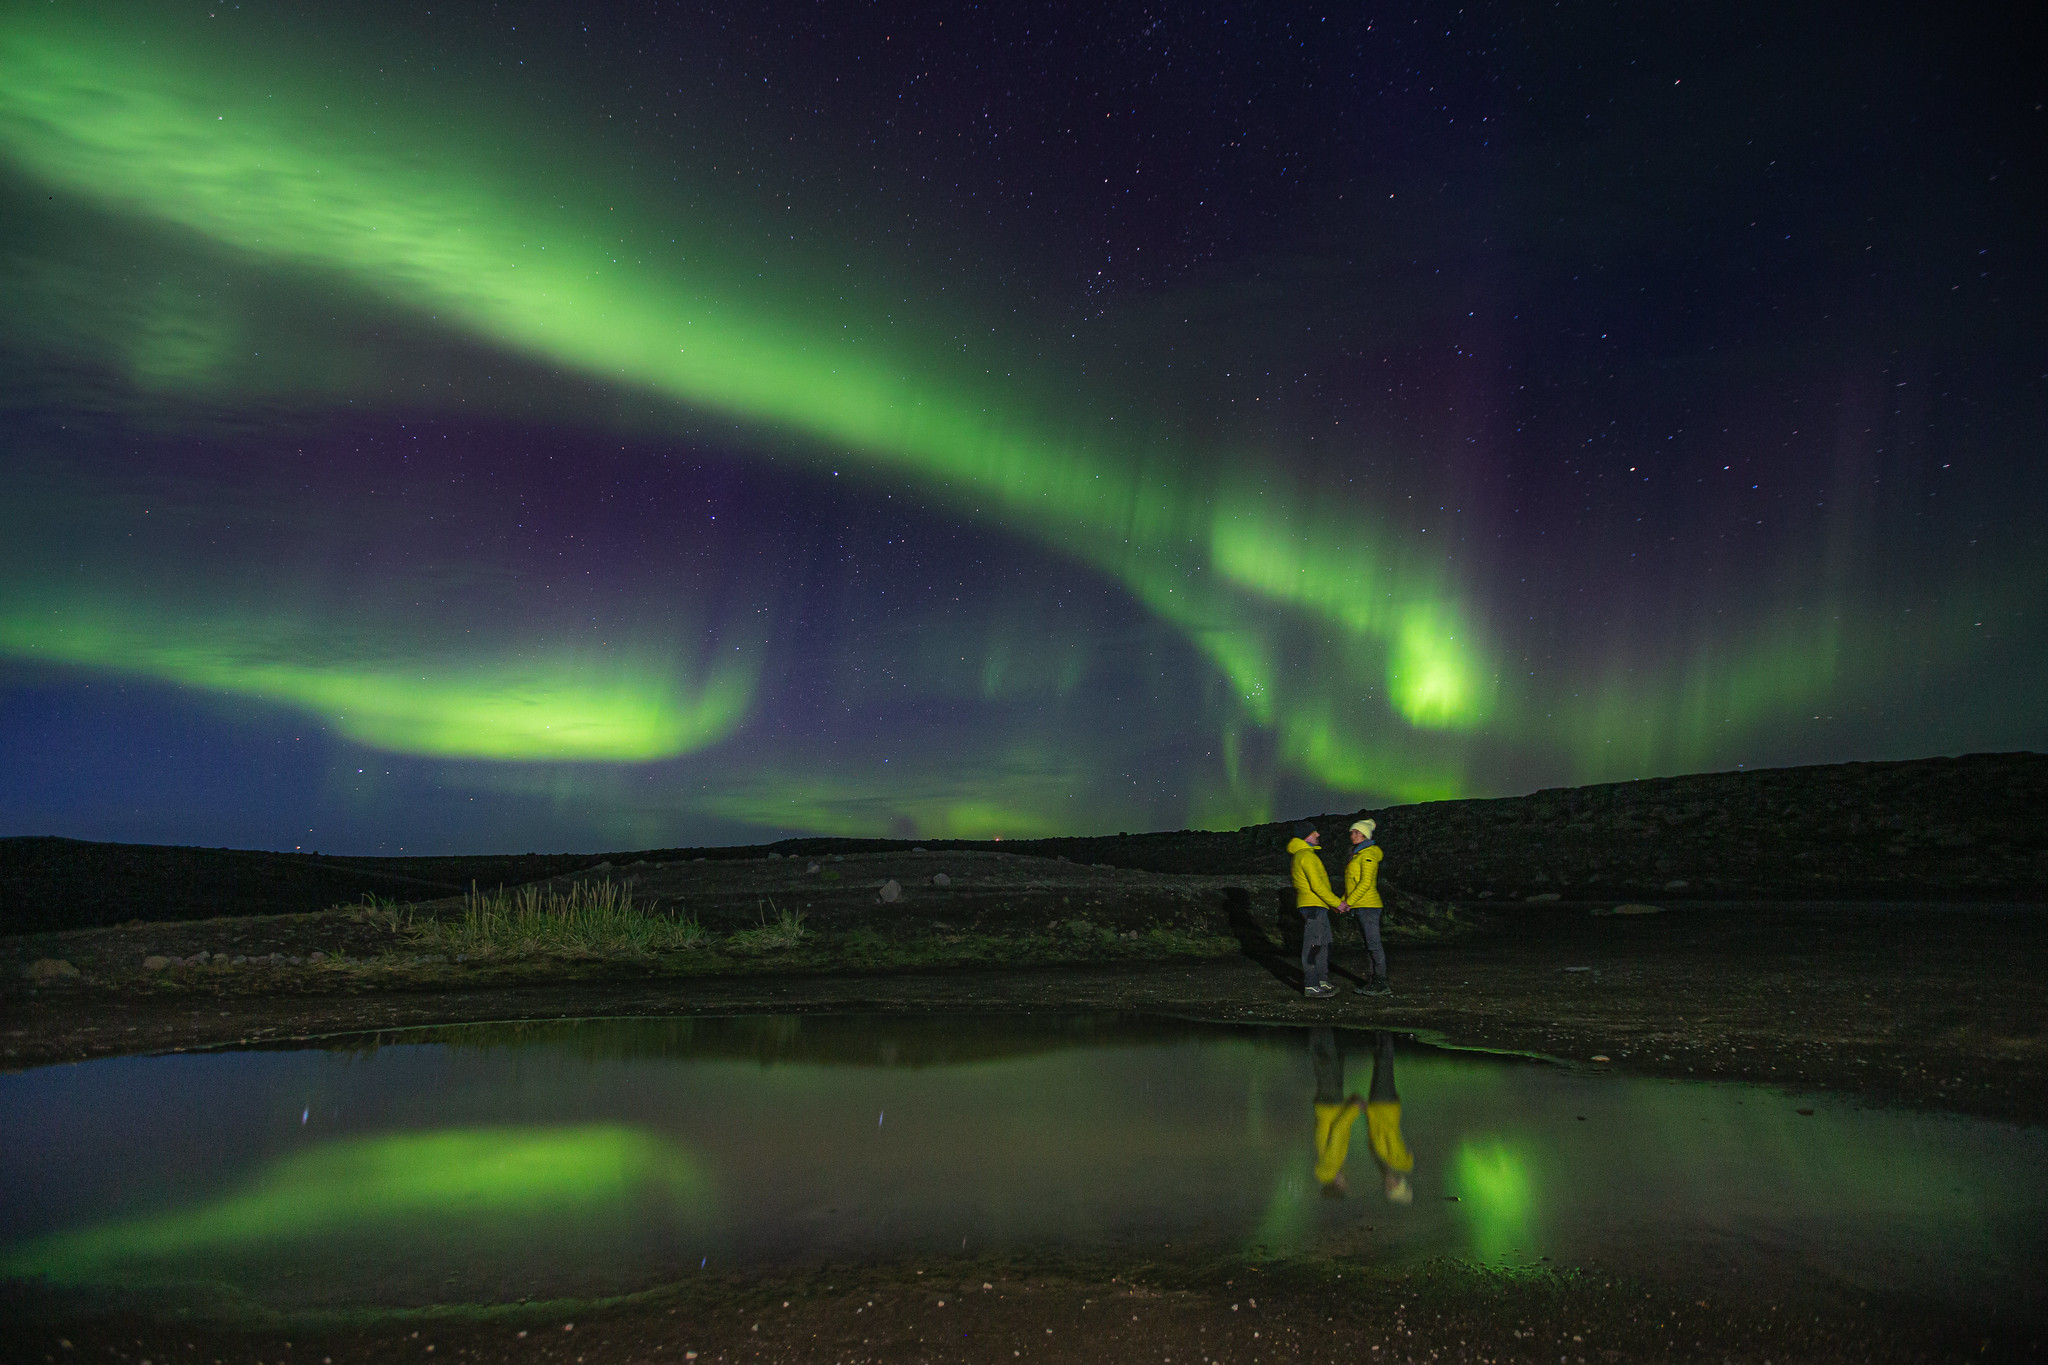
(587, 918)
(785, 930)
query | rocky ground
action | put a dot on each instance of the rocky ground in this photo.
(1920, 1004)
(1106, 1313)
(906, 907)
(1924, 1004)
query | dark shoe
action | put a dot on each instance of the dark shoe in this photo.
(1377, 986)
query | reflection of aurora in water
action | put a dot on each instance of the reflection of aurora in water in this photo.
(584, 1158)
(580, 486)
(1495, 1181)
(405, 1188)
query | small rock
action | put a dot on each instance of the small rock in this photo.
(917, 850)
(49, 969)
(1543, 896)
(155, 962)
(1599, 1056)
(774, 855)
(239, 960)
(295, 960)
(941, 879)
(1678, 885)
(604, 866)
(1632, 909)
(891, 891)
(316, 956)
(200, 958)
(812, 868)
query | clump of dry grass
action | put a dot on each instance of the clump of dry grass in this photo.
(786, 930)
(587, 919)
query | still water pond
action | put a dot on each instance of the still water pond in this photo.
(493, 1162)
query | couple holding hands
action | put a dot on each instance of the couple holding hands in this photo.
(1313, 897)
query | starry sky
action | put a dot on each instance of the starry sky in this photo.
(508, 427)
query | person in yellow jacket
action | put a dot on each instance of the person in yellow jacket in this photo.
(1314, 899)
(1362, 898)
(1383, 1125)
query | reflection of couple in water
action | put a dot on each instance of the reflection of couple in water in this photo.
(1336, 1112)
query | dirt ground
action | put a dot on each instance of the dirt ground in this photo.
(1106, 1313)
(1933, 1006)
(1930, 1006)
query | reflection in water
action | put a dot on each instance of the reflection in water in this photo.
(407, 1185)
(1495, 1182)
(493, 1162)
(1336, 1112)
(1383, 1124)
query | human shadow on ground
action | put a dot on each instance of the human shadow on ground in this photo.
(1282, 958)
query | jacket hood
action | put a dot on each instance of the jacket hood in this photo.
(1297, 845)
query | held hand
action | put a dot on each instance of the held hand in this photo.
(1342, 907)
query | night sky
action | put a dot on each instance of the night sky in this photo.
(491, 428)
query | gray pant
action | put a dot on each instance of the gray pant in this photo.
(1369, 924)
(1315, 948)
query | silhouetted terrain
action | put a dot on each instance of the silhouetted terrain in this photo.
(1971, 828)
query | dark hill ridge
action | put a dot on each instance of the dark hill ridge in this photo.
(50, 883)
(1971, 828)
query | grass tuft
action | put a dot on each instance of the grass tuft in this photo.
(786, 930)
(589, 918)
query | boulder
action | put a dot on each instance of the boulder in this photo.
(49, 969)
(155, 963)
(891, 891)
(941, 879)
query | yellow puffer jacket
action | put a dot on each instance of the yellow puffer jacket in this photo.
(1362, 877)
(1311, 883)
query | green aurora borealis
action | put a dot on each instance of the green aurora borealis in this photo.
(413, 432)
